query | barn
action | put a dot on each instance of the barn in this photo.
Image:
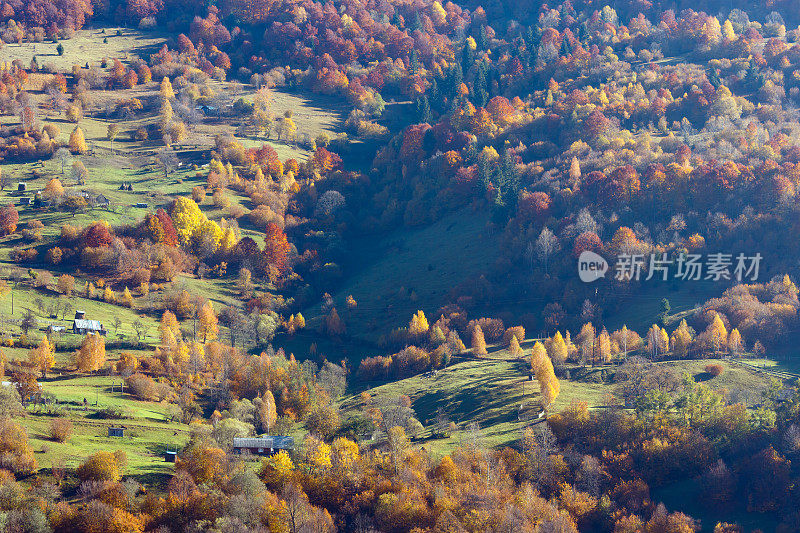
(81, 325)
(264, 445)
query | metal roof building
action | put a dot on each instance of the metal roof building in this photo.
(266, 444)
(83, 326)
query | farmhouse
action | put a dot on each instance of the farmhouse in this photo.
(82, 326)
(264, 445)
(101, 201)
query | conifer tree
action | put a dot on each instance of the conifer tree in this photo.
(478, 341)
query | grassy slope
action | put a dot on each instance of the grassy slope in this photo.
(150, 434)
(87, 45)
(428, 262)
(490, 392)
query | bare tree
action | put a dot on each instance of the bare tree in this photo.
(29, 322)
(63, 156)
(168, 159)
(546, 245)
(140, 328)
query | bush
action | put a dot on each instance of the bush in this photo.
(143, 387)
(516, 331)
(16, 454)
(60, 429)
(102, 466)
(715, 369)
(493, 328)
(110, 413)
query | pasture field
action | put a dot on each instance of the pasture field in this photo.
(149, 430)
(88, 45)
(497, 395)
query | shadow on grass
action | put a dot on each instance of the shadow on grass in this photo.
(158, 481)
(489, 400)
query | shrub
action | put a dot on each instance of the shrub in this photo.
(141, 386)
(516, 331)
(493, 328)
(111, 413)
(102, 466)
(16, 454)
(715, 369)
(198, 194)
(60, 429)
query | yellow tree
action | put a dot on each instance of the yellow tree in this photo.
(166, 91)
(680, 340)
(190, 222)
(545, 374)
(514, 347)
(91, 356)
(574, 169)
(209, 323)
(734, 342)
(77, 142)
(716, 334)
(268, 412)
(53, 189)
(657, 341)
(478, 341)
(100, 466)
(418, 324)
(111, 133)
(604, 346)
(127, 298)
(345, 454)
(263, 116)
(728, 34)
(109, 296)
(166, 113)
(289, 127)
(558, 349)
(538, 356)
(42, 356)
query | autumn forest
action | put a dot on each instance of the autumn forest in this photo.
(403, 266)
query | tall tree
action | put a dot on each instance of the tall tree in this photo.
(209, 323)
(42, 356)
(91, 356)
(478, 341)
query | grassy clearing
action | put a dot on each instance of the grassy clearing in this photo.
(149, 432)
(25, 298)
(87, 45)
(639, 311)
(497, 396)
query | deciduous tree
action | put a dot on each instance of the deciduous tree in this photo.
(77, 142)
(91, 356)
